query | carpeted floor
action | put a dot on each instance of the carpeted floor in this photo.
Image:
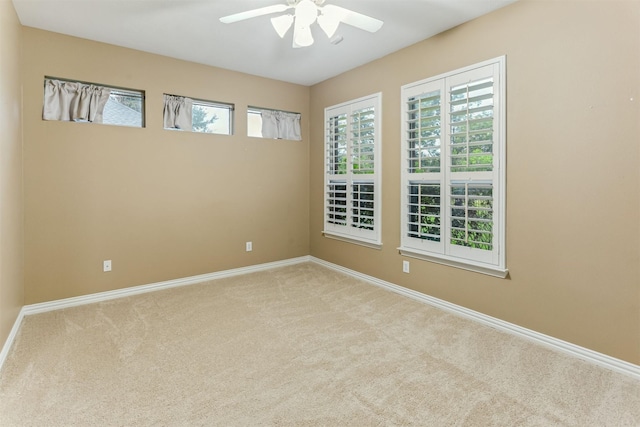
(300, 346)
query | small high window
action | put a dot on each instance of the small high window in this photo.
(274, 124)
(67, 100)
(197, 115)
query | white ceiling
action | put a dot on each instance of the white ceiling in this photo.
(191, 30)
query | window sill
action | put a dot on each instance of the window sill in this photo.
(454, 262)
(353, 240)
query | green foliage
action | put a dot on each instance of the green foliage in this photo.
(472, 225)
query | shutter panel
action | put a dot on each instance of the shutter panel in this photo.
(424, 213)
(363, 141)
(472, 215)
(471, 126)
(423, 132)
(337, 203)
(424, 129)
(471, 98)
(363, 204)
(337, 145)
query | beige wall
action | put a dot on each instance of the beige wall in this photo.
(160, 204)
(11, 203)
(573, 195)
(164, 204)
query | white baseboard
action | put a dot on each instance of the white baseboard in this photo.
(566, 347)
(555, 343)
(134, 290)
(12, 336)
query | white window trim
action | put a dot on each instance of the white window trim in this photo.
(497, 267)
(367, 238)
(352, 240)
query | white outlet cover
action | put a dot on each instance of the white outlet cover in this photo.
(405, 266)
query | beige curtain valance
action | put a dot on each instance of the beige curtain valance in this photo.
(73, 101)
(178, 112)
(280, 125)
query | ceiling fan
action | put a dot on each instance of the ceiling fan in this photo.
(305, 13)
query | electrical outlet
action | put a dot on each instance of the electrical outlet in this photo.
(405, 266)
(106, 265)
(249, 246)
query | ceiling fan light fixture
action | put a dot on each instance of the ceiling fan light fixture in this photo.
(302, 36)
(282, 24)
(306, 13)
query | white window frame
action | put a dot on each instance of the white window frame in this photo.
(438, 247)
(370, 234)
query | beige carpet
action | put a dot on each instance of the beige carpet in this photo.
(300, 345)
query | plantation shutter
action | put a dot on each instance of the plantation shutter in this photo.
(453, 189)
(352, 170)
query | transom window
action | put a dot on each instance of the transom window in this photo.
(273, 124)
(68, 100)
(197, 115)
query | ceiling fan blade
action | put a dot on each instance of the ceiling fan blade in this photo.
(328, 24)
(282, 24)
(230, 19)
(354, 19)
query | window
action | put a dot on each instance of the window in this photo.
(273, 124)
(453, 168)
(66, 100)
(352, 171)
(212, 117)
(124, 108)
(254, 123)
(197, 115)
